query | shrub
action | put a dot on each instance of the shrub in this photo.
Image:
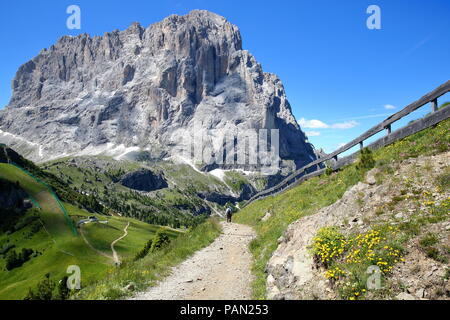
(6, 248)
(355, 288)
(428, 240)
(141, 254)
(374, 248)
(366, 160)
(328, 245)
(434, 254)
(27, 220)
(160, 240)
(63, 290)
(443, 180)
(347, 259)
(44, 290)
(447, 274)
(16, 260)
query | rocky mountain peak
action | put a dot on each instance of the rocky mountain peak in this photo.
(130, 91)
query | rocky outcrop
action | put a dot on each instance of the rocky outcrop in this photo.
(144, 180)
(219, 198)
(293, 274)
(137, 89)
(245, 192)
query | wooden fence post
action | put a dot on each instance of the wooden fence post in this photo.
(389, 129)
(434, 105)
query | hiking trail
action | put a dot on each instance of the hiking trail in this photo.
(115, 255)
(221, 271)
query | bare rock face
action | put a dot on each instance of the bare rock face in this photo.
(132, 90)
(144, 180)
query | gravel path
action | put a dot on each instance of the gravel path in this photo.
(115, 255)
(220, 271)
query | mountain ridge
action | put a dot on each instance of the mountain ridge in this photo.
(138, 90)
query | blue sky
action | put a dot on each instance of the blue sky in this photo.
(340, 77)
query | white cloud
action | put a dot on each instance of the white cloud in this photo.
(312, 124)
(344, 125)
(390, 107)
(312, 133)
(317, 124)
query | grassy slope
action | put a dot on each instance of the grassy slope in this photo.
(319, 192)
(174, 203)
(53, 217)
(80, 175)
(183, 175)
(101, 235)
(154, 266)
(59, 247)
(185, 182)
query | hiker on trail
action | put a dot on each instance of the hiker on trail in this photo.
(229, 214)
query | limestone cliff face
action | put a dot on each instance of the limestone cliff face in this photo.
(131, 90)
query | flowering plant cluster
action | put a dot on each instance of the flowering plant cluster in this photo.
(346, 258)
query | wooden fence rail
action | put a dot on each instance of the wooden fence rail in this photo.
(315, 167)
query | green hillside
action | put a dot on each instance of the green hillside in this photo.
(314, 194)
(47, 232)
(181, 204)
(101, 235)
